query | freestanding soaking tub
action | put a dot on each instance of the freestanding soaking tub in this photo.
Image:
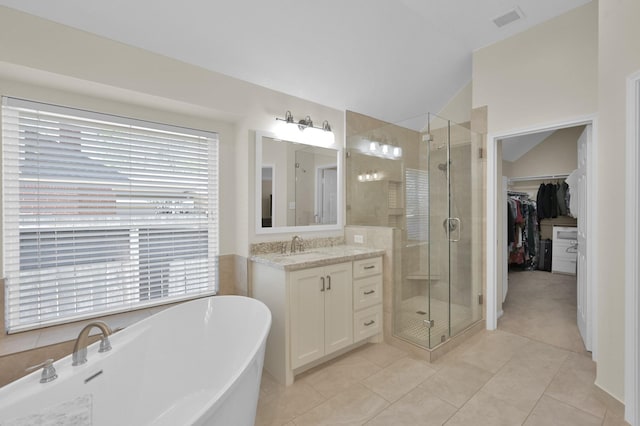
(197, 363)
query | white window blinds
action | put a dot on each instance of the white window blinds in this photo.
(417, 204)
(103, 214)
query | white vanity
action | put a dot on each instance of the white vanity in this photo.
(324, 302)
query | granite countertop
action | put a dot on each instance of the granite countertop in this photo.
(319, 256)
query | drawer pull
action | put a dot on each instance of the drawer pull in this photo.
(370, 267)
(369, 292)
(368, 323)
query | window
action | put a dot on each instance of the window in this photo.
(417, 199)
(103, 214)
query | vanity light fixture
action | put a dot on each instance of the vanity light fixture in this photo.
(370, 176)
(306, 131)
(383, 150)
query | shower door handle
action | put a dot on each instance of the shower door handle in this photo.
(454, 225)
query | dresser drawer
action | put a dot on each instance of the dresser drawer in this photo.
(367, 267)
(367, 323)
(367, 292)
(564, 266)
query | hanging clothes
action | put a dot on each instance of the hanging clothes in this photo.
(522, 231)
(552, 201)
(572, 182)
(561, 193)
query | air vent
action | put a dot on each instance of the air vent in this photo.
(507, 18)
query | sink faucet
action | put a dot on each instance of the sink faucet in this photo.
(80, 348)
(296, 241)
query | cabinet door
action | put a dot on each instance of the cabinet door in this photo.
(338, 307)
(307, 316)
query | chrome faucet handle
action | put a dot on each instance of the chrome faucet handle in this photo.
(48, 371)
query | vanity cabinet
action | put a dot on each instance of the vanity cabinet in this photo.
(320, 309)
(321, 312)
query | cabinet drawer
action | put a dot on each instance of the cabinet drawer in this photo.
(367, 267)
(367, 292)
(564, 266)
(367, 323)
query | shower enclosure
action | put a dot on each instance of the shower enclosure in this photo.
(424, 177)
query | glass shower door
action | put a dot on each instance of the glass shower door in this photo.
(455, 284)
(443, 230)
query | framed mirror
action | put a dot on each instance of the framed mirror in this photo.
(298, 186)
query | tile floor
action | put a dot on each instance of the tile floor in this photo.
(528, 372)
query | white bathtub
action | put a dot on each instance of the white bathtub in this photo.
(198, 363)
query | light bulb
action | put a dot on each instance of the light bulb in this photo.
(385, 149)
(374, 146)
(397, 152)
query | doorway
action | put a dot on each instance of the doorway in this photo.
(586, 295)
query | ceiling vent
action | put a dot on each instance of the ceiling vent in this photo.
(509, 17)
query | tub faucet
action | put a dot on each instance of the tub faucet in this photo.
(80, 348)
(296, 241)
(48, 371)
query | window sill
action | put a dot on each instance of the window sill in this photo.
(34, 339)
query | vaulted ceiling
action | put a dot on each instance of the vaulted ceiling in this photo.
(390, 59)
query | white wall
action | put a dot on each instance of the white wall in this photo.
(619, 56)
(54, 63)
(551, 73)
(543, 75)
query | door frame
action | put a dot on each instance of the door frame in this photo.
(492, 244)
(632, 253)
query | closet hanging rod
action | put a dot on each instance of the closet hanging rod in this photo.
(540, 177)
(517, 193)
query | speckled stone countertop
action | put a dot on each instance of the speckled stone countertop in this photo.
(319, 256)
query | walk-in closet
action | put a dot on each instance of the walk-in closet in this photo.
(541, 192)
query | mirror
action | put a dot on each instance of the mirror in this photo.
(297, 186)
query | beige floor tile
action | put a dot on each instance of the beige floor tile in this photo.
(381, 354)
(494, 351)
(279, 404)
(574, 385)
(457, 382)
(486, 410)
(523, 380)
(542, 307)
(614, 420)
(355, 406)
(550, 411)
(399, 378)
(518, 385)
(340, 375)
(418, 407)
